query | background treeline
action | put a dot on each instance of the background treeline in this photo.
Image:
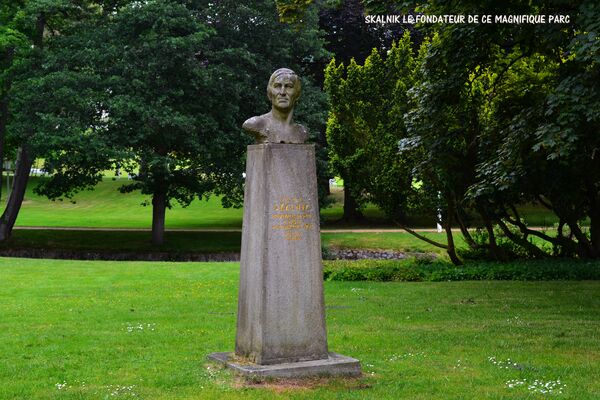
(475, 121)
(462, 121)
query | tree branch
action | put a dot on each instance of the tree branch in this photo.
(533, 249)
(465, 232)
(417, 235)
(545, 202)
(527, 231)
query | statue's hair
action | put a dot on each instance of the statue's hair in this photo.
(293, 76)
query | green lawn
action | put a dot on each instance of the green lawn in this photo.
(111, 241)
(204, 242)
(399, 241)
(106, 207)
(103, 330)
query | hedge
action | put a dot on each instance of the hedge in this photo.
(413, 270)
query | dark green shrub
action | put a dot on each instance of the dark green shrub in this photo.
(372, 270)
(411, 270)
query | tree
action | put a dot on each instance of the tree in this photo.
(52, 109)
(500, 115)
(365, 123)
(496, 104)
(32, 58)
(549, 141)
(182, 79)
(349, 37)
(10, 40)
(163, 107)
(251, 43)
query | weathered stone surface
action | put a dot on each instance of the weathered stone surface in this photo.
(280, 308)
(277, 125)
(333, 365)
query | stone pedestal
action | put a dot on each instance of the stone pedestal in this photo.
(281, 317)
(280, 306)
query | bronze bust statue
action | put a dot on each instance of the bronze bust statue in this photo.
(277, 125)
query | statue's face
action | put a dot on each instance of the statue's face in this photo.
(282, 92)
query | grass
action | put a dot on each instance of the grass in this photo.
(398, 241)
(417, 270)
(106, 207)
(374, 217)
(111, 241)
(213, 242)
(201, 242)
(103, 330)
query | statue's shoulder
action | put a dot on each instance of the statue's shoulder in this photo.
(301, 133)
(256, 124)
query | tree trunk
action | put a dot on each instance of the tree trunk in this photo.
(595, 227)
(22, 170)
(4, 116)
(495, 252)
(595, 235)
(24, 159)
(324, 183)
(521, 241)
(451, 250)
(423, 238)
(465, 231)
(584, 245)
(3, 120)
(159, 207)
(351, 211)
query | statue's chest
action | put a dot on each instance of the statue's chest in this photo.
(285, 135)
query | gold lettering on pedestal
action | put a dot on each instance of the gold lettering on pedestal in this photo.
(292, 216)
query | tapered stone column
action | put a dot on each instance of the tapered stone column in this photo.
(281, 314)
(280, 308)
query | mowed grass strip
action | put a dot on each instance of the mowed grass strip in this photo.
(124, 241)
(106, 207)
(201, 242)
(98, 330)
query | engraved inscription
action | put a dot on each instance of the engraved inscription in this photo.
(292, 216)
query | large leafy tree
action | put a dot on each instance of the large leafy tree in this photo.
(182, 79)
(349, 38)
(162, 108)
(250, 43)
(37, 99)
(549, 141)
(367, 103)
(496, 116)
(505, 114)
(11, 40)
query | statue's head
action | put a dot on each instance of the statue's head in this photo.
(283, 89)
